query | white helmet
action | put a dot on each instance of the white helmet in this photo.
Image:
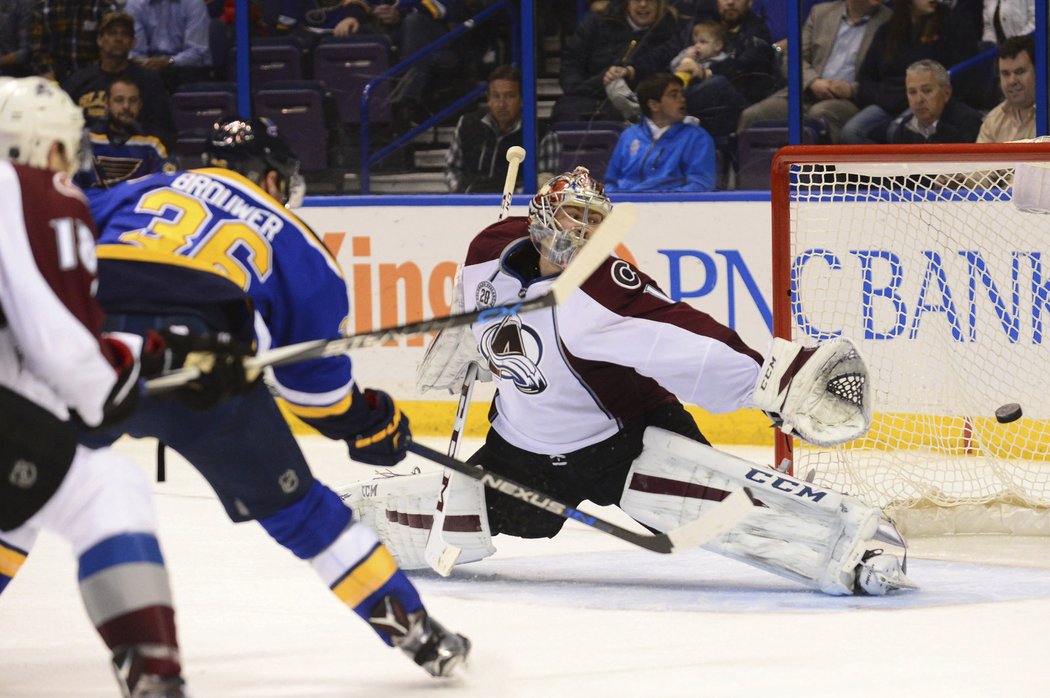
(578, 196)
(34, 113)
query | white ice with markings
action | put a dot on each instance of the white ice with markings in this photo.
(581, 614)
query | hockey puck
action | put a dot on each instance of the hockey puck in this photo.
(1009, 412)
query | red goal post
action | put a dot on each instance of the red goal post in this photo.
(921, 255)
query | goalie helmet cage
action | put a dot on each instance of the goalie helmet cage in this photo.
(921, 256)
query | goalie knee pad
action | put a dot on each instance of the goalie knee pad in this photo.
(799, 530)
(401, 510)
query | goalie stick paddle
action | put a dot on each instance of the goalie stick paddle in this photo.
(729, 512)
(598, 248)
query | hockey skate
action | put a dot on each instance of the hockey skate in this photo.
(128, 665)
(879, 573)
(423, 639)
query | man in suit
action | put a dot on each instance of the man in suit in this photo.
(835, 39)
(932, 115)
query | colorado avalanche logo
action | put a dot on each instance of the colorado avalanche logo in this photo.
(513, 353)
(485, 295)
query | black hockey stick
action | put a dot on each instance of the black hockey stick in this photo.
(729, 512)
(598, 248)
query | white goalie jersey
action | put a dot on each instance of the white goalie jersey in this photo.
(615, 349)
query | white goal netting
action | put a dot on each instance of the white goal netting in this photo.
(924, 260)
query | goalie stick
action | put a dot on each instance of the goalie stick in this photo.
(600, 245)
(440, 555)
(515, 155)
(725, 516)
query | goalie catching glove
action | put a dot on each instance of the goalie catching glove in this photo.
(821, 394)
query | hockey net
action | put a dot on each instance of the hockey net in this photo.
(921, 256)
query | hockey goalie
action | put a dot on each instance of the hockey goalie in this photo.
(589, 405)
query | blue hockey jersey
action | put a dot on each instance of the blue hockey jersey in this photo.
(118, 159)
(217, 221)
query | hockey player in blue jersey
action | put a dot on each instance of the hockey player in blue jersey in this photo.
(216, 250)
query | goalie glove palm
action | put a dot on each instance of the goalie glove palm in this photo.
(822, 394)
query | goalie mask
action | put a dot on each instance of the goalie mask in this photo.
(563, 214)
(34, 113)
(252, 147)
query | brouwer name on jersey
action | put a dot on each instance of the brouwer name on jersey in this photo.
(211, 191)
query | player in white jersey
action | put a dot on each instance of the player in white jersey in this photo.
(589, 406)
(53, 362)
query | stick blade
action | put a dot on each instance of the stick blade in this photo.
(444, 560)
(729, 512)
(601, 244)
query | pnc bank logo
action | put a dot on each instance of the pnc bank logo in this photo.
(966, 295)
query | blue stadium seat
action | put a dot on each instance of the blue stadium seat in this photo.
(345, 66)
(277, 58)
(757, 145)
(591, 148)
(297, 107)
(198, 109)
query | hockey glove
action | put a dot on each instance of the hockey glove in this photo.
(219, 357)
(124, 397)
(383, 436)
(821, 394)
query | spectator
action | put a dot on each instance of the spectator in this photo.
(667, 151)
(16, 21)
(316, 18)
(172, 39)
(774, 13)
(751, 62)
(1006, 18)
(932, 115)
(835, 39)
(476, 158)
(412, 25)
(703, 68)
(695, 62)
(1014, 118)
(917, 29)
(88, 86)
(64, 36)
(632, 40)
(119, 148)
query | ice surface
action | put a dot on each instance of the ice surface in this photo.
(583, 613)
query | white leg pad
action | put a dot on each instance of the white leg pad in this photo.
(401, 509)
(803, 532)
